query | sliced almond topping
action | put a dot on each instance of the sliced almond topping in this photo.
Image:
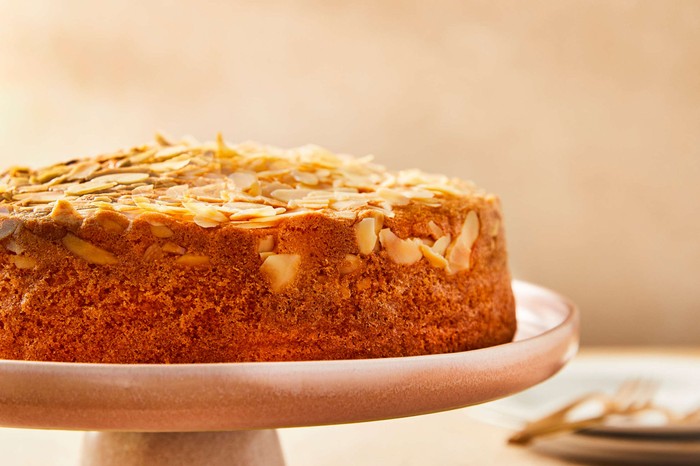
(394, 197)
(400, 251)
(459, 252)
(440, 246)
(173, 248)
(39, 198)
(50, 173)
(65, 215)
(280, 270)
(83, 170)
(366, 235)
(169, 165)
(87, 251)
(435, 259)
(192, 260)
(161, 231)
(266, 244)
(89, 187)
(305, 178)
(349, 264)
(435, 230)
(7, 227)
(122, 178)
(287, 195)
(23, 262)
(244, 181)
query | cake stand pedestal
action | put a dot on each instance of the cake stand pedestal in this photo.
(222, 414)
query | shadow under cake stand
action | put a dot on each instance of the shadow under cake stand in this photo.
(224, 414)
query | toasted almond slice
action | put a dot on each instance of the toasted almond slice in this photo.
(173, 248)
(366, 235)
(287, 195)
(244, 181)
(152, 253)
(169, 165)
(89, 187)
(82, 170)
(14, 247)
(400, 251)
(435, 259)
(205, 222)
(64, 214)
(435, 230)
(169, 152)
(205, 211)
(193, 260)
(350, 264)
(266, 244)
(50, 173)
(88, 251)
(122, 178)
(161, 231)
(39, 198)
(459, 252)
(7, 227)
(440, 246)
(23, 262)
(305, 177)
(394, 197)
(280, 270)
(261, 211)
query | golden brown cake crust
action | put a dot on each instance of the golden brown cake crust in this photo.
(157, 288)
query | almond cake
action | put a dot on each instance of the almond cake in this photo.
(195, 253)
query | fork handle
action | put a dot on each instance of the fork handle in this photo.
(529, 433)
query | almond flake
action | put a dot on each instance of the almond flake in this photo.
(65, 215)
(435, 259)
(152, 253)
(400, 251)
(122, 178)
(350, 264)
(88, 251)
(23, 262)
(280, 270)
(7, 227)
(173, 248)
(89, 187)
(192, 260)
(459, 252)
(82, 171)
(161, 231)
(366, 235)
(266, 244)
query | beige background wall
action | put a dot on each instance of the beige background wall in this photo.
(584, 116)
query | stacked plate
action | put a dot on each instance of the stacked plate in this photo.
(646, 439)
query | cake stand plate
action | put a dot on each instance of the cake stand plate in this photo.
(222, 414)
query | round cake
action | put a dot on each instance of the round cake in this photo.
(195, 253)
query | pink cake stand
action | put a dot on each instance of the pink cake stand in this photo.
(224, 414)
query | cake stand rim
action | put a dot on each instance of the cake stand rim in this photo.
(283, 394)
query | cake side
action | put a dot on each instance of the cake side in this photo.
(88, 280)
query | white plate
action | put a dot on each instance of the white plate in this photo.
(679, 391)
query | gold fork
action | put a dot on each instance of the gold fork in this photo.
(632, 396)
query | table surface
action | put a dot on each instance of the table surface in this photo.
(449, 438)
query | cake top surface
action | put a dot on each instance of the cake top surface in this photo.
(218, 182)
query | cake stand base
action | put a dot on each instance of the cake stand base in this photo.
(237, 448)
